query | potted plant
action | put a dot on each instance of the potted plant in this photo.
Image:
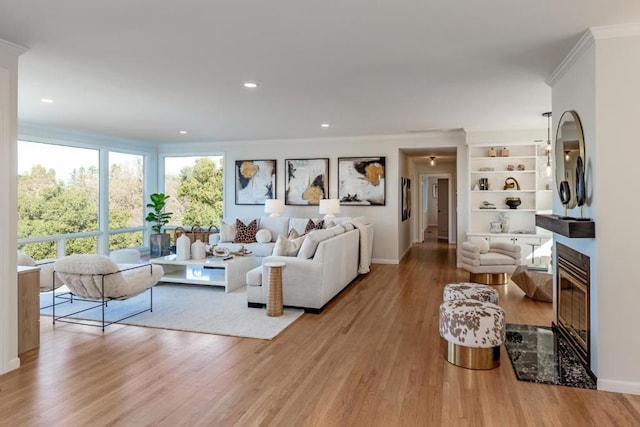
(159, 241)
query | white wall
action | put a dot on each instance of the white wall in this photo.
(599, 81)
(388, 244)
(9, 201)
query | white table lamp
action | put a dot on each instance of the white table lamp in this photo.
(329, 207)
(274, 206)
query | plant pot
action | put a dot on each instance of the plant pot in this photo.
(159, 245)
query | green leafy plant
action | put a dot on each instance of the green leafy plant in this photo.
(160, 218)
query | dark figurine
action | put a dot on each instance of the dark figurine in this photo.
(580, 191)
(565, 196)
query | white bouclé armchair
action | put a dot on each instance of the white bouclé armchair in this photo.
(490, 263)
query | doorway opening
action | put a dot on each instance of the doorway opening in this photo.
(435, 206)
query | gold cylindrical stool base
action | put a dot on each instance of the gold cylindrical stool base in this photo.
(274, 298)
(489, 278)
(472, 357)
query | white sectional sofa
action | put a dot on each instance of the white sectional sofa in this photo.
(277, 226)
(342, 252)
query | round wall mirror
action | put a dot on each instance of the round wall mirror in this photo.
(570, 160)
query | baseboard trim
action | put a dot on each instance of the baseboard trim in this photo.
(384, 261)
(626, 387)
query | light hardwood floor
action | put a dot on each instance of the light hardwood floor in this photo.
(372, 358)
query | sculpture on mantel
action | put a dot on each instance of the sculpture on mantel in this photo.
(565, 197)
(580, 186)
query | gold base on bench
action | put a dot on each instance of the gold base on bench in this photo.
(472, 357)
(489, 278)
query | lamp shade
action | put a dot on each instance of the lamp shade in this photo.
(274, 206)
(329, 207)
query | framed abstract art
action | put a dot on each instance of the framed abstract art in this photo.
(306, 181)
(361, 181)
(255, 181)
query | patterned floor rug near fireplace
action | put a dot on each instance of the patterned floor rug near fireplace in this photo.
(540, 355)
(192, 308)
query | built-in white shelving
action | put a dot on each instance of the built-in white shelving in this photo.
(525, 164)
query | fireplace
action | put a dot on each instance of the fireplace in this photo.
(572, 297)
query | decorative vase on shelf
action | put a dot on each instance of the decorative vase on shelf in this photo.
(513, 202)
(504, 221)
(510, 183)
(484, 183)
(492, 152)
(505, 152)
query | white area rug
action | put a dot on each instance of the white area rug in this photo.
(193, 308)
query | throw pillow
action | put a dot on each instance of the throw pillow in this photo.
(482, 244)
(246, 233)
(287, 247)
(314, 226)
(293, 234)
(227, 231)
(263, 236)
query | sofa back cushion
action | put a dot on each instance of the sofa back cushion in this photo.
(277, 226)
(298, 224)
(312, 241)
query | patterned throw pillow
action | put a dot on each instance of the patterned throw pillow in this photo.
(293, 234)
(314, 226)
(246, 233)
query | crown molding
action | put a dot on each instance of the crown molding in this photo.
(615, 31)
(583, 44)
(587, 39)
(12, 47)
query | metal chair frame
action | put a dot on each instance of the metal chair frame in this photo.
(102, 303)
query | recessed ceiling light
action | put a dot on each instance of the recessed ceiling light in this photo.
(183, 132)
(251, 85)
(325, 125)
(47, 100)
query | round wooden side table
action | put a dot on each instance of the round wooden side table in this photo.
(274, 298)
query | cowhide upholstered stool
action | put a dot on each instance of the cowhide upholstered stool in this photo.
(474, 331)
(470, 290)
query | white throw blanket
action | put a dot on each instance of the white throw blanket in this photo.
(366, 244)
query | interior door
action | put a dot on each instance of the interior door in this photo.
(443, 208)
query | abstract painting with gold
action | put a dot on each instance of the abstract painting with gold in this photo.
(255, 181)
(307, 181)
(361, 181)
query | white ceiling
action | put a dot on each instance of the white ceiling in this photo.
(146, 69)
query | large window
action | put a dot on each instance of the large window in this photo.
(126, 198)
(57, 194)
(195, 187)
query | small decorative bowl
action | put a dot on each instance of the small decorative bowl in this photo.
(513, 202)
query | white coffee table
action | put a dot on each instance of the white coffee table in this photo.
(213, 271)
